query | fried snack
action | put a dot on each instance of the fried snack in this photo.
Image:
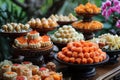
(81, 52)
(88, 8)
(93, 25)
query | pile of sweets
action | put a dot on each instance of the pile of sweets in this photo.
(88, 8)
(82, 52)
(33, 40)
(28, 71)
(43, 23)
(66, 34)
(68, 18)
(15, 27)
(108, 41)
(93, 25)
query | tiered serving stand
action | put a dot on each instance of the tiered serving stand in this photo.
(88, 33)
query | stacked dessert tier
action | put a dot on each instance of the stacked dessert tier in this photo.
(43, 25)
(87, 25)
(81, 52)
(33, 40)
(64, 20)
(65, 35)
(28, 71)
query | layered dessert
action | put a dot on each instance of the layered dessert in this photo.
(21, 42)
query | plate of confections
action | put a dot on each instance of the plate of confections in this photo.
(64, 20)
(64, 35)
(83, 10)
(43, 25)
(14, 30)
(87, 27)
(27, 71)
(33, 44)
(110, 44)
(81, 54)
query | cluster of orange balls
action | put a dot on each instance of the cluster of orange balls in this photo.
(87, 8)
(82, 52)
(93, 25)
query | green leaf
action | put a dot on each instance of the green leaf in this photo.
(107, 25)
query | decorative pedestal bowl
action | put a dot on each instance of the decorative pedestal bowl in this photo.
(43, 31)
(88, 34)
(86, 16)
(113, 55)
(80, 70)
(36, 56)
(61, 23)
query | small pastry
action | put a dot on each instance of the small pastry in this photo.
(34, 69)
(27, 73)
(33, 22)
(38, 23)
(34, 44)
(45, 41)
(18, 28)
(33, 35)
(16, 68)
(10, 28)
(5, 28)
(26, 26)
(51, 66)
(43, 72)
(9, 75)
(6, 68)
(21, 42)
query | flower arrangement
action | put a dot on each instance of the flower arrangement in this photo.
(111, 11)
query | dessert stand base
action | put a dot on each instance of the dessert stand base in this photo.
(113, 59)
(88, 35)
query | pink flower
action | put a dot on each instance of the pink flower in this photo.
(118, 8)
(103, 6)
(118, 24)
(108, 3)
(115, 2)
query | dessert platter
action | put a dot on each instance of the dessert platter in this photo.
(64, 20)
(13, 30)
(28, 71)
(33, 46)
(87, 25)
(82, 56)
(64, 35)
(110, 44)
(43, 25)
